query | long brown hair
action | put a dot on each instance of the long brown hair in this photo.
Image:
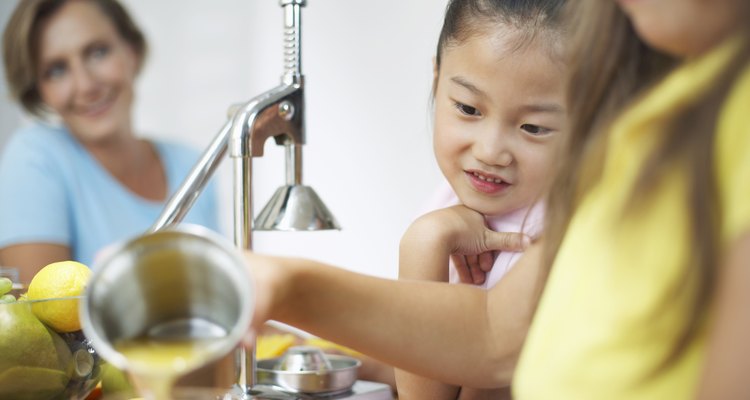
(20, 45)
(610, 67)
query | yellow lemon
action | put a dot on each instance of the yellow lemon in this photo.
(274, 345)
(59, 280)
(325, 345)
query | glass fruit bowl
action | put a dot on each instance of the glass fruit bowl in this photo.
(38, 363)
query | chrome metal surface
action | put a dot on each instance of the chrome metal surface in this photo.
(293, 164)
(278, 113)
(286, 110)
(295, 208)
(304, 358)
(180, 282)
(181, 201)
(361, 390)
(260, 119)
(338, 379)
(292, 39)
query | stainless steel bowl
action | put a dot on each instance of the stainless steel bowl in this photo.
(301, 370)
(304, 358)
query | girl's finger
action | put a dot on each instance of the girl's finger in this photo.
(486, 260)
(477, 275)
(464, 276)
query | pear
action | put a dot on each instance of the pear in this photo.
(35, 362)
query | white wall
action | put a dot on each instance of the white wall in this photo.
(368, 73)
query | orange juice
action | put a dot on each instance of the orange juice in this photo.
(155, 364)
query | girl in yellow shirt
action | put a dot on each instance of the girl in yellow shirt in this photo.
(645, 264)
(650, 231)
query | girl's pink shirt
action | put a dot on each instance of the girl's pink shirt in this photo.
(529, 220)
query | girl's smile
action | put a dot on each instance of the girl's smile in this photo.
(486, 183)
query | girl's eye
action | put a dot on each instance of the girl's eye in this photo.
(467, 110)
(535, 130)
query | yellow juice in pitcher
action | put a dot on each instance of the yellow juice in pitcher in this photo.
(156, 363)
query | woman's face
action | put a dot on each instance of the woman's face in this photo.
(499, 112)
(86, 72)
(683, 28)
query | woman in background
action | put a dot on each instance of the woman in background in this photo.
(71, 188)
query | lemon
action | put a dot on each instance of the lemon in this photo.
(59, 280)
(325, 345)
(274, 345)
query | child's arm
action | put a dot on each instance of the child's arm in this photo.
(415, 263)
(423, 327)
(412, 265)
(728, 358)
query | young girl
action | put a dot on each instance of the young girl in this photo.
(498, 119)
(499, 113)
(655, 194)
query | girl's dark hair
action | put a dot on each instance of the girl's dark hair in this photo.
(609, 68)
(20, 44)
(466, 18)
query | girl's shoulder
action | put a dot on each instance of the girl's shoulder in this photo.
(734, 120)
(731, 156)
(738, 99)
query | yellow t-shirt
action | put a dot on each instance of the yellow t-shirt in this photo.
(615, 300)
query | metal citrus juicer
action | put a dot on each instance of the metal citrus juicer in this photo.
(277, 113)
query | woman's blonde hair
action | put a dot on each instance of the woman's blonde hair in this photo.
(609, 68)
(21, 37)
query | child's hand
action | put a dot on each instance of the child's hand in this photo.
(465, 233)
(473, 269)
(457, 232)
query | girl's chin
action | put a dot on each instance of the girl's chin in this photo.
(487, 210)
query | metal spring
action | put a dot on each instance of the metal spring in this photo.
(291, 50)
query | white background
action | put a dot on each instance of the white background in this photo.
(368, 72)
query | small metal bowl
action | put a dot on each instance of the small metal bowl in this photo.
(307, 370)
(304, 358)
